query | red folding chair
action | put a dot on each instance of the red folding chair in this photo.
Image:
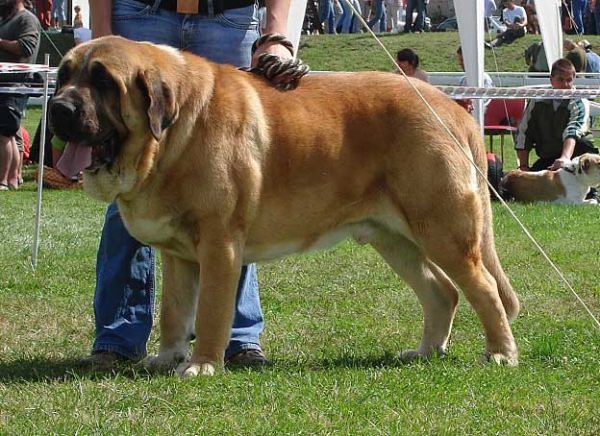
(502, 117)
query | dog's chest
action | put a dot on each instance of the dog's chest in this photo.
(574, 189)
(150, 231)
(160, 232)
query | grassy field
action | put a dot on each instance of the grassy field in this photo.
(437, 52)
(335, 322)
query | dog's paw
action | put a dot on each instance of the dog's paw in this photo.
(499, 359)
(189, 369)
(163, 362)
(408, 356)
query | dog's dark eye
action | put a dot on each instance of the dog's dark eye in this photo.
(100, 78)
(62, 76)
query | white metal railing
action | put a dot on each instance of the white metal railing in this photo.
(513, 79)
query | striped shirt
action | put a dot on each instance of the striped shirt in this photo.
(547, 123)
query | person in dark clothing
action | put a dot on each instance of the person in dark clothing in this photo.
(557, 130)
(19, 43)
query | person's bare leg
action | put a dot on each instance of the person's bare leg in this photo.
(13, 169)
(20, 169)
(6, 159)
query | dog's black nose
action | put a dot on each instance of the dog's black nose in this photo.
(62, 110)
(62, 117)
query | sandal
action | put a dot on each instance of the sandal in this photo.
(7, 187)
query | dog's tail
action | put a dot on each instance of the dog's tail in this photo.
(509, 298)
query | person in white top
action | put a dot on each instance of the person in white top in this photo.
(467, 103)
(515, 19)
(490, 7)
(393, 7)
(80, 33)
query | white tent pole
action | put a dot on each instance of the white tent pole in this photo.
(548, 13)
(295, 21)
(38, 207)
(469, 14)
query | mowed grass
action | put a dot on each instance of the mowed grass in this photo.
(335, 322)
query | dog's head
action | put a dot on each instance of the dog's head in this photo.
(112, 105)
(586, 168)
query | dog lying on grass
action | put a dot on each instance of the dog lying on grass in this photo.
(568, 185)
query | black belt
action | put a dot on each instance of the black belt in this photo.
(219, 6)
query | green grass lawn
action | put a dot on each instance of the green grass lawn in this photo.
(335, 322)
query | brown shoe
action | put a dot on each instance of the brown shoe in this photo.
(102, 361)
(247, 358)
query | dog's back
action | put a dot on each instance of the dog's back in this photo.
(530, 187)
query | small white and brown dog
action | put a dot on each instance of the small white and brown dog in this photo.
(568, 185)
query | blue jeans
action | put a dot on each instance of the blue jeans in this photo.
(579, 9)
(58, 10)
(419, 24)
(348, 19)
(125, 269)
(597, 17)
(379, 15)
(328, 15)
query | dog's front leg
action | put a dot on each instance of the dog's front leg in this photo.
(178, 311)
(220, 268)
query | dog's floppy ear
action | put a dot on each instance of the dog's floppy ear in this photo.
(162, 107)
(585, 163)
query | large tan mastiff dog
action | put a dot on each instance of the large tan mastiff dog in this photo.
(217, 168)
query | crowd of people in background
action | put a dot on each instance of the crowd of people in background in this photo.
(395, 16)
(21, 26)
(51, 13)
(581, 17)
(19, 43)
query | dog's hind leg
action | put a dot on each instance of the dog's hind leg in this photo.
(457, 250)
(481, 290)
(509, 298)
(437, 294)
(178, 311)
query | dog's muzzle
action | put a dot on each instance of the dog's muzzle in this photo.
(87, 146)
(64, 116)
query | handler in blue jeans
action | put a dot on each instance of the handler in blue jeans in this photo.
(222, 31)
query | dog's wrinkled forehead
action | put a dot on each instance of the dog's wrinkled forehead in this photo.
(95, 61)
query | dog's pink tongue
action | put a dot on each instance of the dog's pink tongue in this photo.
(74, 159)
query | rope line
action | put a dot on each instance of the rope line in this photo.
(21, 90)
(519, 92)
(274, 69)
(9, 67)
